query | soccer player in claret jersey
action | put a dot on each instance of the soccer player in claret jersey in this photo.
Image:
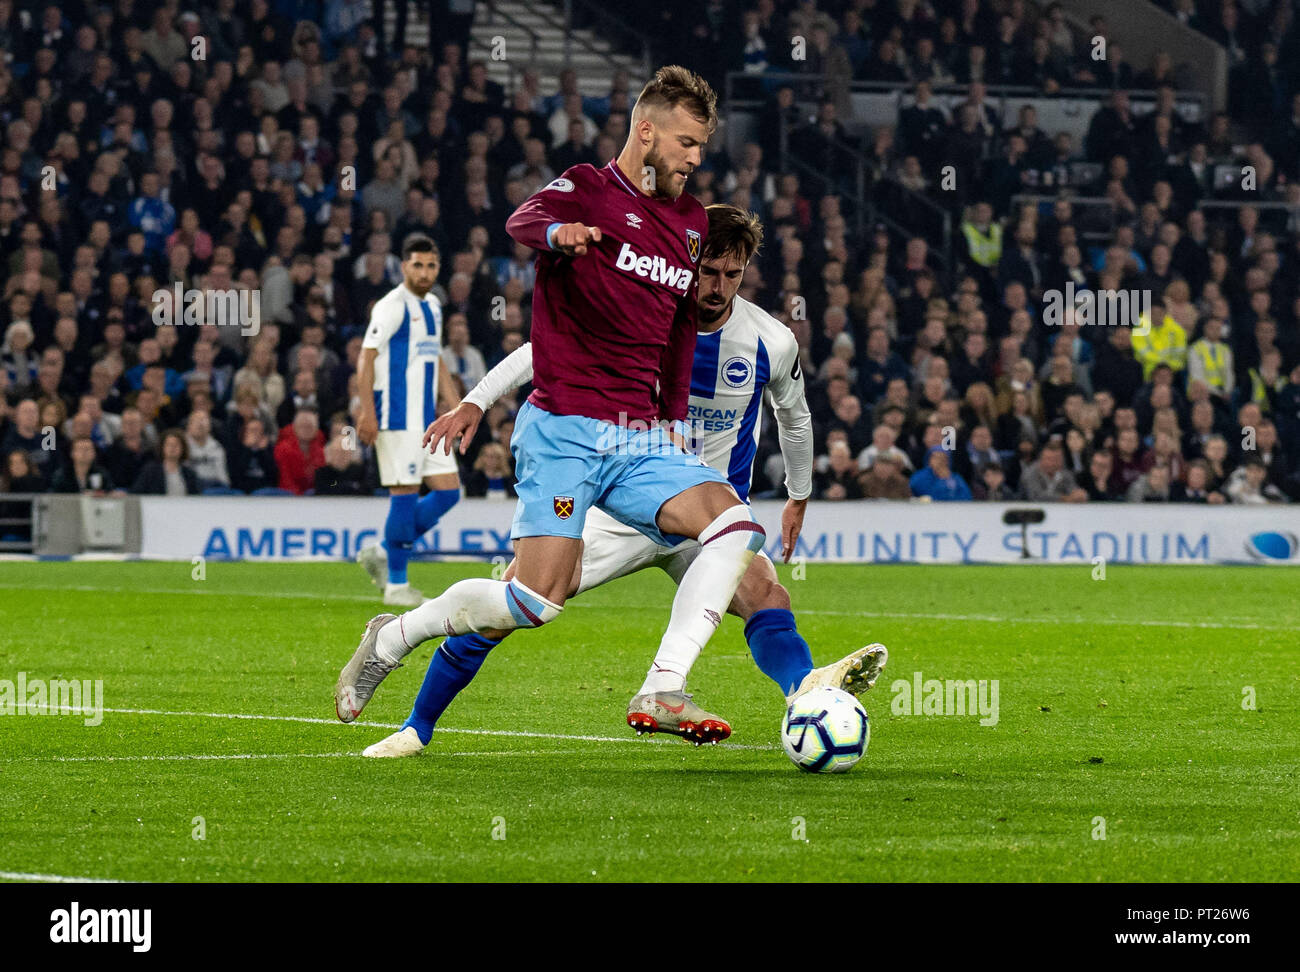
(742, 355)
(399, 381)
(613, 333)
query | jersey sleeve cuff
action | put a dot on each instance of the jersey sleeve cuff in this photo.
(550, 230)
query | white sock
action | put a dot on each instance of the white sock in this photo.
(662, 680)
(478, 604)
(727, 545)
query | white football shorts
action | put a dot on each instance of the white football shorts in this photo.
(403, 460)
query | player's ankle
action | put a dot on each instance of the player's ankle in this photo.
(662, 680)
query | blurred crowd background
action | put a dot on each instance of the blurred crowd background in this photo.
(311, 139)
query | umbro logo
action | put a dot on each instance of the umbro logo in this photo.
(633, 220)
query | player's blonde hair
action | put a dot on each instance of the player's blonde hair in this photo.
(675, 85)
(732, 232)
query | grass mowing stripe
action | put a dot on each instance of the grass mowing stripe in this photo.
(1227, 623)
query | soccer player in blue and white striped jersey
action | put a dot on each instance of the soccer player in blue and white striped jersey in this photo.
(742, 357)
(400, 383)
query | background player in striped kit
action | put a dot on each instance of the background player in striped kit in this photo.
(742, 356)
(399, 379)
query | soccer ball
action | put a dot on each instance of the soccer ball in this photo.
(825, 730)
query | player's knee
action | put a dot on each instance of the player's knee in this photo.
(735, 519)
(528, 608)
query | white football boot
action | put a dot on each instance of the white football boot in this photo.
(363, 672)
(405, 742)
(402, 595)
(676, 712)
(374, 561)
(854, 673)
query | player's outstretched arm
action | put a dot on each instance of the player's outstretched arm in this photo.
(551, 218)
(795, 433)
(513, 371)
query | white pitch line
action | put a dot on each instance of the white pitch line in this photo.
(54, 878)
(234, 756)
(509, 733)
(1230, 624)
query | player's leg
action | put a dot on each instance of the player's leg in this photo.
(781, 653)
(728, 535)
(442, 477)
(402, 459)
(453, 665)
(477, 605)
(558, 471)
(399, 538)
(669, 494)
(385, 562)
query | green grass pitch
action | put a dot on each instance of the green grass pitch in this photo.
(1124, 710)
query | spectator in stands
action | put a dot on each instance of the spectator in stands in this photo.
(130, 452)
(17, 356)
(1249, 484)
(459, 357)
(1047, 480)
(343, 473)
(300, 451)
(169, 476)
(83, 473)
(885, 478)
(1196, 489)
(493, 473)
(205, 456)
(936, 480)
(252, 460)
(1096, 479)
(20, 476)
(836, 477)
(1151, 487)
(991, 484)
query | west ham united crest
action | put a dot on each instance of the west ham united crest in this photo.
(693, 244)
(564, 507)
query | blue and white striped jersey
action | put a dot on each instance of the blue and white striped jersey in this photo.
(407, 333)
(751, 356)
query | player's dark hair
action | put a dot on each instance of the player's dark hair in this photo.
(674, 85)
(732, 232)
(418, 243)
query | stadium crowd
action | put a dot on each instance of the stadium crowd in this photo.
(294, 157)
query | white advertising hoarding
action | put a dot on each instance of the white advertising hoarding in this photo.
(330, 528)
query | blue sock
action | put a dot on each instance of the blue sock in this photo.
(451, 668)
(399, 534)
(430, 509)
(778, 648)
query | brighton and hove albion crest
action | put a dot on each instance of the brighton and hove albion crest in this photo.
(693, 244)
(564, 507)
